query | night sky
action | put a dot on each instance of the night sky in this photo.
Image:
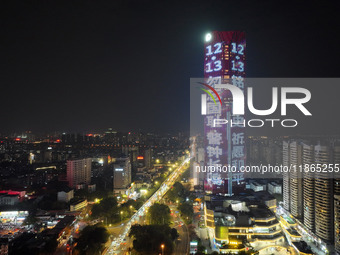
(87, 65)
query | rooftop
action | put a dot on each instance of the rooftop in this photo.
(303, 247)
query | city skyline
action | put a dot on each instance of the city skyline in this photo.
(169, 127)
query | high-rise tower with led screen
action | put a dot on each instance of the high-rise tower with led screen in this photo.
(224, 63)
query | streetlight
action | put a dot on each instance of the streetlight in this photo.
(162, 246)
(121, 213)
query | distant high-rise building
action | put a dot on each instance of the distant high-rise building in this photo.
(195, 174)
(121, 175)
(79, 171)
(336, 155)
(308, 189)
(111, 136)
(320, 190)
(131, 152)
(286, 182)
(323, 195)
(295, 160)
(292, 181)
(337, 223)
(148, 158)
(200, 155)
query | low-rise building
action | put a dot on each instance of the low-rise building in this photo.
(91, 188)
(255, 186)
(13, 216)
(6, 199)
(266, 198)
(78, 205)
(274, 188)
(20, 193)
(302, 248)
(241, 222)
(65, 195)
